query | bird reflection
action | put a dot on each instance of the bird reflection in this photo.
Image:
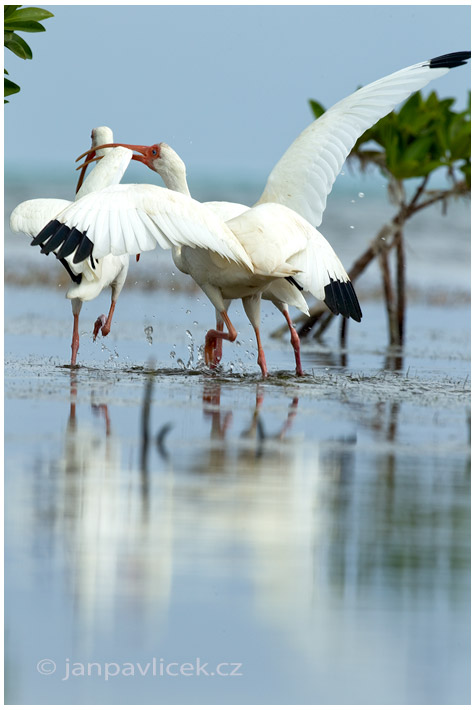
(115, 550)
(393, 359)
(221, 421)
(232, 492)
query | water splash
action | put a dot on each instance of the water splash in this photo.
(148, 330)
(191, 349)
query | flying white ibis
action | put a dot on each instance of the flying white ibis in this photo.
(304, 176)
(91, 276)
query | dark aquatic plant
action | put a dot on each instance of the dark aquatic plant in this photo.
(425, 135)
(18, 19)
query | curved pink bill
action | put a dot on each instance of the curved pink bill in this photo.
(83, 168)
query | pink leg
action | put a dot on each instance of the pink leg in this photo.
(219, 346)
(75, 341)
(104, 323)
(295, 342)
(261, 357)
(213, 338)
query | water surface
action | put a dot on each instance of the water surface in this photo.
(312, 534)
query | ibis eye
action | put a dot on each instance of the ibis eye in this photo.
(154, 152)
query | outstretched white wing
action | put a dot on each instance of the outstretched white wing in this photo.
(304, 176)
(31, 216)
(129, 219)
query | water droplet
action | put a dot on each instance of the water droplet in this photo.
(351, 226)
(189, 334)
(188, 311)
(361, 194)
(352, 202)
(148, 330)
(195, 322)
(172, 354)
(181, 363)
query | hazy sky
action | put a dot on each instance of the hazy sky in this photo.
(226, 86)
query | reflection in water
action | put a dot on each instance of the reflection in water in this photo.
(394, 359)
(113, 551)
(324, 549)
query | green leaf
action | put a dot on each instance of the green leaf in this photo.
(413, 168)
(18, 46)
(9, 10)
(29, 14)
(10, 87)
(466, 170)
(317, 108)
(410, 109)
(24, 26)
(418, 149)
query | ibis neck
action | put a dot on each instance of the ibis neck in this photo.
(177, 181)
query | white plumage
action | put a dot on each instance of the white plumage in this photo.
(90, 279)
(234, 259)
(303, 178)
(238, 252)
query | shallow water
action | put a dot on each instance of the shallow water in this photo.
(312, 534)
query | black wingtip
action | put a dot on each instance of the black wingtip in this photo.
(341, 299)
(294, 282)
(77, 278)
(45, 233)
(454, 59)
(84, 251)
(66, 240)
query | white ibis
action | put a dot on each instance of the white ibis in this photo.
(168, 164)
(89, 277)
(304, 176)
(228, 260)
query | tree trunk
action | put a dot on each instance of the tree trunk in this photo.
(400, 286)
(389, 296)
